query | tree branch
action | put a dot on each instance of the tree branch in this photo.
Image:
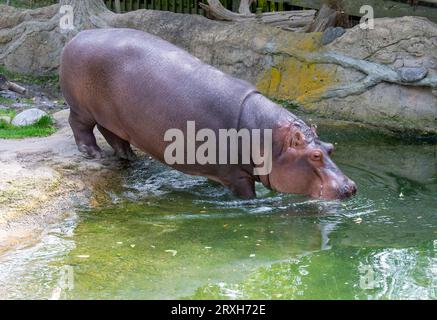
(376, 73)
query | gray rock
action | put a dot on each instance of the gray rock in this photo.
(28, 117)
(399, 63)
(413, 63)
(44, 103)
(394, 106)
(250, 50)
(9, 94)
(412, 74)
(20, 105)
(331, 34)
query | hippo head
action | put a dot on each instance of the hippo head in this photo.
(301, 164)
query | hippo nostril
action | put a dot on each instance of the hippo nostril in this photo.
(349, 189)
(353, 188)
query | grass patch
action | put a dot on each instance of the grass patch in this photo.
(9, 101)
(48, 80)
(288, 104)
(29, 3)
(6, 101)
(8, 112)
(44, 127)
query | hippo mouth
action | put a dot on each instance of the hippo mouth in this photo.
(321, 190)
(321, 194)
(319, 175)
(338, 193)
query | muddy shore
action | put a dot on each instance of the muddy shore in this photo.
(43, 179)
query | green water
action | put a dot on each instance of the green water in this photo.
(159, 234)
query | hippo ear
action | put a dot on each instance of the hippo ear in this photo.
(314, 130)
(289, 135)
(282, 136)
(298, 139)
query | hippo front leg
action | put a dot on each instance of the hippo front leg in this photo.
(243, 187)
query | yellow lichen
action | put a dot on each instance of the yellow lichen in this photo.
(292, 79)
(298, 81)
(275, 80)
(300, 42)
(311, 42)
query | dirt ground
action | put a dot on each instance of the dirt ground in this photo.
(43, 179)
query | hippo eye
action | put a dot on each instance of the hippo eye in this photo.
(330, 148)
(316, 156)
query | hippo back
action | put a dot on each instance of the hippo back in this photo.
(124, 78)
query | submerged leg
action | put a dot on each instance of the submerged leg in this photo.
(121, 147)
(243, 187)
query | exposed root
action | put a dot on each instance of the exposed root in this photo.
(373, 74)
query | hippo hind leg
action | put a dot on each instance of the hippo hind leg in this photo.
(84, 136)
(242, 185)
(121, 147)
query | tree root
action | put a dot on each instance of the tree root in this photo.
(376, 73)
(373, 74)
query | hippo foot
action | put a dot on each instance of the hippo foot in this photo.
(121, 147)
(128, 155)
(91, 152)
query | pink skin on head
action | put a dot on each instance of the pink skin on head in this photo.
(302, 165)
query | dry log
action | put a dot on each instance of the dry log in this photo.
(216, 10)
(245, 7)
(8, 85)
(289, 20)
(327, 17)
(117, 6)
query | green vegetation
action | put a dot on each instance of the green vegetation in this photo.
(44, 127)
(6, 101)
(291, 105)
(29, 3)
(10, 101)
(7, 112)
(47, 80)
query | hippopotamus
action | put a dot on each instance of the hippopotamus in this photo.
(135, 86)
